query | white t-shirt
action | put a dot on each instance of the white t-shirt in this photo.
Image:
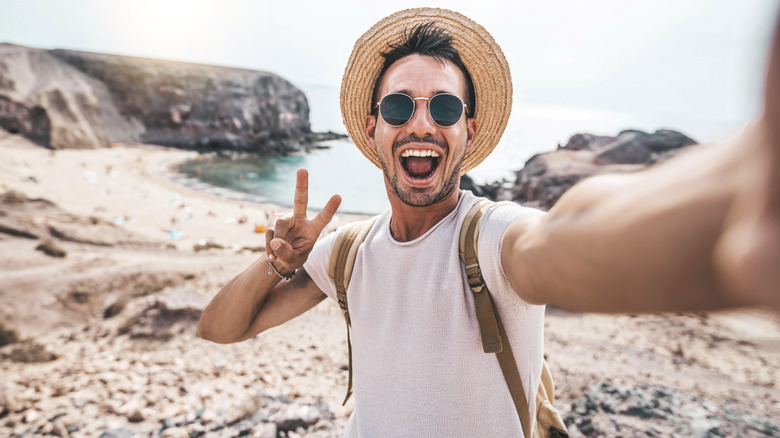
(418, 365)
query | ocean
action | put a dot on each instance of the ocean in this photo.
(342, 169)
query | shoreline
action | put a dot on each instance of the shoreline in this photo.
(138, 183)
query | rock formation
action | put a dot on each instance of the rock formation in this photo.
(68, 99)
(545, 177)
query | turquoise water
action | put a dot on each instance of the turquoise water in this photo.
(340, 169)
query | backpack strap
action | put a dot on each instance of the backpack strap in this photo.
(469, 233)
(494, 338)
(342, 259)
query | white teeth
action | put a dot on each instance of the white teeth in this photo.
(419, 153)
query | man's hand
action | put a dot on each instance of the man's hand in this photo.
(290, 240)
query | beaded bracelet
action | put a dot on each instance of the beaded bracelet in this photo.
(272, 268)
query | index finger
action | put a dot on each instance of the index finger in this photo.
(301, 199)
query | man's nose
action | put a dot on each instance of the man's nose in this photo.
(421, 123)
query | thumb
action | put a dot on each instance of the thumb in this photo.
(283, 250)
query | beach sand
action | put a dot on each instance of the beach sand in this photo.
(119, 312)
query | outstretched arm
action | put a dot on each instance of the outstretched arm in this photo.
(636, 242)
(257, 299)
(700, 231)
(748, 253)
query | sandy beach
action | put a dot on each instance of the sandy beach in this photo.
(110, 328)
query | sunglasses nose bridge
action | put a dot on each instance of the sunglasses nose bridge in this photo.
(426, 125)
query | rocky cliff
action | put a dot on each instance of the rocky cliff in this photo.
(69, 99)
(545, 177)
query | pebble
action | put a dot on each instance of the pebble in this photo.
(31, 416)
(297, 416)
(264, 430)
(59, 429)
(117, 433)
(175, 432)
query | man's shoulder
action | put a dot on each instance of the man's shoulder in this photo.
(501, 211)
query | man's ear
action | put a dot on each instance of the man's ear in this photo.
(471, 132)
(369, 130)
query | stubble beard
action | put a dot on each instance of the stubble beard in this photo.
(420, 197)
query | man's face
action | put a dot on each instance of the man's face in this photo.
(421, 180)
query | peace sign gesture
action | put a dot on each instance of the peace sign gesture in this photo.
(290, 239)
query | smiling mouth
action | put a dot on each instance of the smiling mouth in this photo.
(420, 164)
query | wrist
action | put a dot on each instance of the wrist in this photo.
(273, 271)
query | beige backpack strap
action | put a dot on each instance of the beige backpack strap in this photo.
(494, 338)
(506, 359)
(342, 259)
(469, 233)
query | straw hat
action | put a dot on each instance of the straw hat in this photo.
(481, 55)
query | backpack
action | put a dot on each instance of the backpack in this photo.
(548, 422)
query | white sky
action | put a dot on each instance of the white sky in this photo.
(670, 57)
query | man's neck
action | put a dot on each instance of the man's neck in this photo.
(408, 223)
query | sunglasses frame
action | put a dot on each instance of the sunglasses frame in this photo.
(427, 107)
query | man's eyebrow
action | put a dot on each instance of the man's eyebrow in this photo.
(404, 91)
(409, 92)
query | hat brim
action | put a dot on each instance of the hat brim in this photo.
(480, 53)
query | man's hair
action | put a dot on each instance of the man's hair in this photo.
(429, 40)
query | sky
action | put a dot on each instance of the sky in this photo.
(673, 58)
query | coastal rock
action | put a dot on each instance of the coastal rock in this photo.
(546, 177)
(69, 99)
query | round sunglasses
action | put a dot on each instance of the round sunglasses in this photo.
(444, 109)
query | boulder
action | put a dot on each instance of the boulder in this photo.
(546, 177)
(174, 311)
(29, 351)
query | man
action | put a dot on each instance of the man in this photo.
(678, 236)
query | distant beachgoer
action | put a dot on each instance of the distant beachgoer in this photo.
(426, 96)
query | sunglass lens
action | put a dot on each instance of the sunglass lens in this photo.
(446, 109)
(396, 109)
